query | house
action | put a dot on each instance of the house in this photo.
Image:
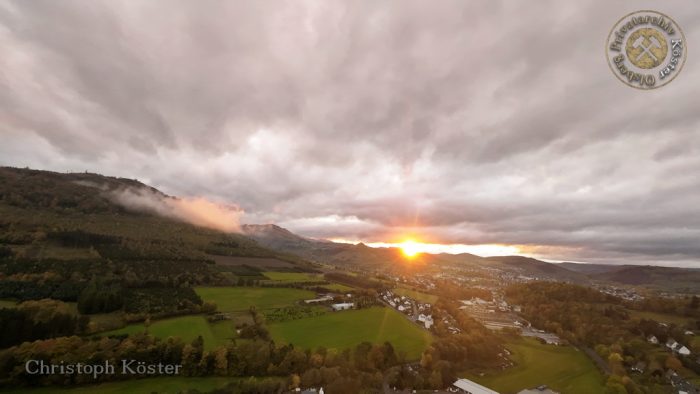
(682, 350)
(671, 343)
(426, 319)
(343, 306)
(653, 339)
(688, 332)
(469, 387)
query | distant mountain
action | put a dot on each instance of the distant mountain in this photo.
(360, 255)
(322, 251)
(589, 269)
(672, 278)
(537, 268)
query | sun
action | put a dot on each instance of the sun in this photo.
(410, 248)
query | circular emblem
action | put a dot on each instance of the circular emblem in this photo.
(646, 49)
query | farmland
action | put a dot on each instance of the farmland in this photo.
(256, 262)
(564, 369)
(338, 287)
(238, 299)
(7, 304)
(298, 277)
(343, 330)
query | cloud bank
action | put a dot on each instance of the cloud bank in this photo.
(198, 211)
(480, 122)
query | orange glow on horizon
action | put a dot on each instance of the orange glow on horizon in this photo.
(410, 248)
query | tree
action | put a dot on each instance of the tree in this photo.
(674, 363)
(294, 382)
(435, 380)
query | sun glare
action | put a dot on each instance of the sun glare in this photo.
(410, 248)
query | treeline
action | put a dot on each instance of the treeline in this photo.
(34, 320)
(23, 290)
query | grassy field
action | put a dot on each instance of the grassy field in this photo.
(8, 304)
(237, 299)
(338, 287)
(162, 385)
(342, 330)
(564, 369)
(185, 327)
(416, 295)
(292, 276)
(661, 317)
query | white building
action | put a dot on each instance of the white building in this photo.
(343, 306)
(469, 387)
(683, 351)
(318, 300)
(426, 319)
(653, 339)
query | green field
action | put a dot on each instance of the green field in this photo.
(342, 330)
(563, 368)
(185, 327)
(416, 295)
(238, 299)
(162, 385)
(8, 304)
(292, 276)
(338, 287)
(661, 317)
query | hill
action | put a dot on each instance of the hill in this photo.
(536, 268)
(665, 278)
(65, 236)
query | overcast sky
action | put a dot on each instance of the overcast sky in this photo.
(472, 122)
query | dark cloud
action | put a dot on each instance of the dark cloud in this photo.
(478, 122)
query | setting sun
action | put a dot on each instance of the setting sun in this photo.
(410, 248)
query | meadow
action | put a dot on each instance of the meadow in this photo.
(416, 295)
(346, 329)
(8, 304)
(298, 277)
(338, 287)
(185, 327)
(562, 368)
(238, 299)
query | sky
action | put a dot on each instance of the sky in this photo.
(473, 123)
